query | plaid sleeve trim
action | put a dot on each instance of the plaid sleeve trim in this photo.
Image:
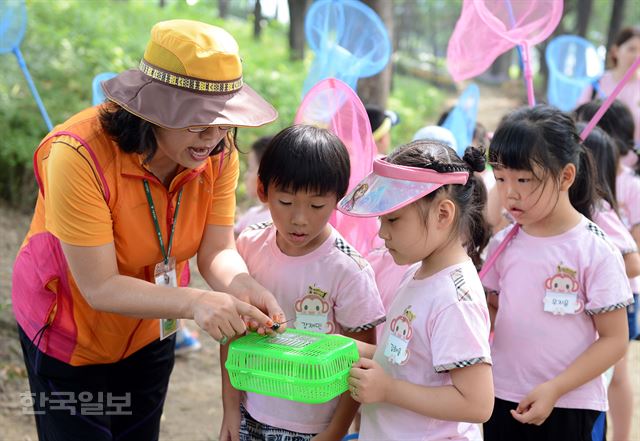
(442, 368)
(260, 226)
(347, 249)
(596, 230)
(610, 308)
(366, 327)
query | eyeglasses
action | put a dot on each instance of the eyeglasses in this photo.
(201, 129)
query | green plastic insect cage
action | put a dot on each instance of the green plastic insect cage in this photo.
(302, 366)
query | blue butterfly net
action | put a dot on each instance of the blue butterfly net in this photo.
(573, 64)
(461, 120)
(13, 24)
(350, 41)
(96, 87)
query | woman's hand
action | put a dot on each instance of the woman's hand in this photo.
(266, 301)
(368, 382)
(221, 315)
(224, 270)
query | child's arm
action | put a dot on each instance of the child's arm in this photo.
(469, 398)
(603, 353)
(492, 306)
(230, 428)
(632, 264)
(365, 350)
(347, 407)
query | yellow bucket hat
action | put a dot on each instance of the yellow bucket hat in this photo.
(190, 75)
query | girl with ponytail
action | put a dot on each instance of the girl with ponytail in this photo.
(430, 375)
(561, 284)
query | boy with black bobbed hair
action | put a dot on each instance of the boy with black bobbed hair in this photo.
(322, 283)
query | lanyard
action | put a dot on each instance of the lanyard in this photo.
(165, 253)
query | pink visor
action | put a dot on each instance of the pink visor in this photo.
(390, 187)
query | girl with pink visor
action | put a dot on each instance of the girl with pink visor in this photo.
(430, 375)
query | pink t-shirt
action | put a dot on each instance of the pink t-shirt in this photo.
(630, 95)
(388, 274)
(580, 268)
(617, 232)
(435, 325)
(329, 290)
(254, 215)
(628, 194)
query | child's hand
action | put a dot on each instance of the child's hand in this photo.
(368, 382)
(537, 406)
(230, 428)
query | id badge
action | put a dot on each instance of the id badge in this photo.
(559, 303)
(165, 275)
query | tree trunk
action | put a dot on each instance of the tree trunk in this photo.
(163, 3)
(375, 90)
(584, 15)
(257, 20)
(223, 8)
(297, 12)
(617, 15)
(569, 7)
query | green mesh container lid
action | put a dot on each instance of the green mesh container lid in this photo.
(302, 366)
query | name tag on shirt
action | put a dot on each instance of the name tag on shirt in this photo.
(165, 275)
(561, 303)
(396, 349)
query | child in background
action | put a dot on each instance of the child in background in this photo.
(322, 283)
(606, 156)
(260, 212)
(622, 54)
(618, 123)
(606, 217)
(561, 286)
(430, 376)
(381, 122)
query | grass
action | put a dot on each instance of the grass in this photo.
(68, 42)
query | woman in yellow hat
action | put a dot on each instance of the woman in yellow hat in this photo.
(129, 191)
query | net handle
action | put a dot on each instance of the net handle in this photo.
(492, 260)
(607, 103)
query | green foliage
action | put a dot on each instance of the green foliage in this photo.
(68, 42)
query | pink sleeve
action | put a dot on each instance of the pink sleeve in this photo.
(633, 200)
(460, 336)
(617, 233)
(358, 306)
(388, 275)
(241, 245)
(606, 284)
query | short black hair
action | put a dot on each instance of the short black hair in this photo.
(304, 157)
(376, 116)
(605, 154)
(260, 146)
(617, 121)
(133, 134)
